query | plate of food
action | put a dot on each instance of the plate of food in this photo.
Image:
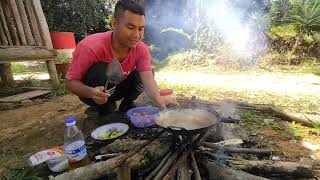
(109, 131)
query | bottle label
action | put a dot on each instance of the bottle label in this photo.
(76, 151)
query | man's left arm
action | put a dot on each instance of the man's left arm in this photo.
(151, 88)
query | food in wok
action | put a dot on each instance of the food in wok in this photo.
(188, 119)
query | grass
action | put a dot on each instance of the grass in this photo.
(20, 174)
(59, 90)
(297, 103)
(18, 68)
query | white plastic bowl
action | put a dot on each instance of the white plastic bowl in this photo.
(108, 127)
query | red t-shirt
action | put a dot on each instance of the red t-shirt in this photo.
(97, 48)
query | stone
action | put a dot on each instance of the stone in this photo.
(27, 102)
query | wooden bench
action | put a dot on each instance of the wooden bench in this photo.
(24, 36)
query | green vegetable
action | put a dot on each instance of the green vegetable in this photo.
(110, 134)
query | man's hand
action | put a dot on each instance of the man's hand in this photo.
(99, 96)
(170, 103)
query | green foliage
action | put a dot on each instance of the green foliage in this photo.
(179, 31)
(306, 17)
(18, 68)
(59, 90)
(82, 17)
(20, 174)
(62, 59)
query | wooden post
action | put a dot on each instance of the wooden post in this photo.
(6, 74)
(33, 23)
(3, 38)
(17, 21)
(45, 35)
(25, 22)
(12, 29)
(52, 72)
(5, 26)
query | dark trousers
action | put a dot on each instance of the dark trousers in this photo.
(128, 90)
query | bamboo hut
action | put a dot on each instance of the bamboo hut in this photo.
(24, 36)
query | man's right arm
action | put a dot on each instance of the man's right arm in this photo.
(97, 94)
(79, 89)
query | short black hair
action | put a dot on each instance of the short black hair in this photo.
(128, 5)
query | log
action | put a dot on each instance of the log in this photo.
(124, 173)
(121, 145)
(6, 75)
(51, 66)
(17, 22)
(171, 175)
(134, 151)
(3, 38)
(184, 172)
(217, 157)
(302, 119)
(274, 168)
(42, 22)
(8, 16)
(25, 22)
(216, 170)
(152, 152)
(22, 53)
(4, 25)
(195, 168)
(216, 147)
(157, 169)
(169, 163)
(92, 171)
(33, 23)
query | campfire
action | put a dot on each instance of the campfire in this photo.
(174, 155)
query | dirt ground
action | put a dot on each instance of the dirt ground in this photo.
(27, 130)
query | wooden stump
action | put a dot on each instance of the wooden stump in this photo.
(6, 75)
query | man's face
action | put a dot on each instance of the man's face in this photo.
(129, 29)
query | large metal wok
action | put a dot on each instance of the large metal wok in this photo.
(169, 123)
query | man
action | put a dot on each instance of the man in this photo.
(87, 73)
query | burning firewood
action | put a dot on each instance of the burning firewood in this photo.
(166, 167)
(157, 169)
(184, 172)
(171, 175)
(195, 167)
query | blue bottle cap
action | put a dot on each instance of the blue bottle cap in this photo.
(70, 121)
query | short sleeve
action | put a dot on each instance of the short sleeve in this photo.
(144, 59)
(83, 58)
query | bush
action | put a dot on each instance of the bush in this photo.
(79, 16)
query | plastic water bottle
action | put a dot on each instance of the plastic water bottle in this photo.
(74, 145)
